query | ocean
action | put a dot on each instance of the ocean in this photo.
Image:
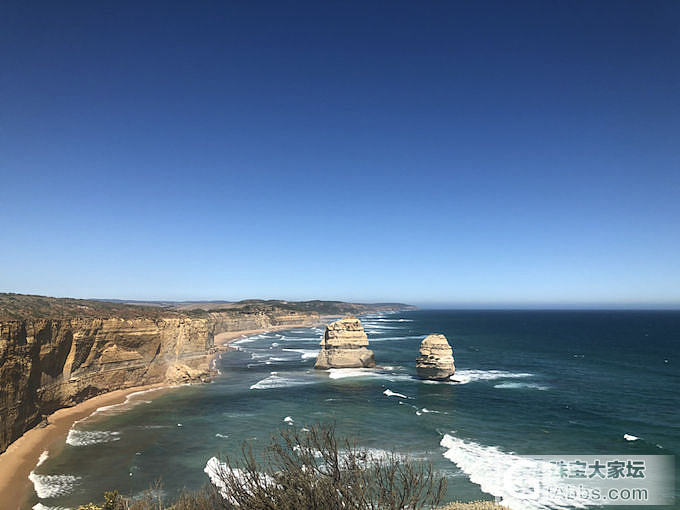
(530, 382)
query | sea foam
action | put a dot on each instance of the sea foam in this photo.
(521, 386)
(508, 476)
(472, 375)
(305, 353)
(52, 486)
(277, 381)
(90, 437)
(391, 393)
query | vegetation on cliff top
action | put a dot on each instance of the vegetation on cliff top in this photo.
(24, 306)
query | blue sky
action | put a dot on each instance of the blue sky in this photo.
(473, 153)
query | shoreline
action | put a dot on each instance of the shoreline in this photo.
(228, 337)
(21, 457)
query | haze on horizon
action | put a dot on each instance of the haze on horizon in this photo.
(460, 154)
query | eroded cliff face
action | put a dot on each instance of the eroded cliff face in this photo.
(240, 320)
(46, 364)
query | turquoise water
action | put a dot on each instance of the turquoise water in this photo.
(530, 383)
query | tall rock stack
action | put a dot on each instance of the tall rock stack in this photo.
(436, 358)
(344, 345)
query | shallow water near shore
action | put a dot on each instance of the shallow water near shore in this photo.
(529, 382)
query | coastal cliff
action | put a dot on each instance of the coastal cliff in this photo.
(48, 364)
(57, 352)
(344, 345)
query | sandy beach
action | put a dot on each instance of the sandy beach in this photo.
(22, 455)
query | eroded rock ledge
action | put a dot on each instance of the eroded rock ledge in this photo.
(344, 345)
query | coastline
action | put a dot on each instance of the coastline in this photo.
(229, 337)
(21, 457)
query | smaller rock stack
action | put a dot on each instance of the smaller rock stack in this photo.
(436, 358)
(344, 345)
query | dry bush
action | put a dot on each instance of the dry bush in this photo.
(311, 470)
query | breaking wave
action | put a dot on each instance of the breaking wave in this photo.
(90, 437)
(471, 375)
(277, 381)
(507, 476)
(305, 353)
(52, 486)
(391, 393)
(519, 385)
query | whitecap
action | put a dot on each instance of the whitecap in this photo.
(40, 506)
(90, 437)
(288, 420)
(630, 437)
(472, 375)
(391, 393)
(305, 353)
(276, 381)
(517, 385)
(222, 436)
(342, 373)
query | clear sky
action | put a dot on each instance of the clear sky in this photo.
(472, 153)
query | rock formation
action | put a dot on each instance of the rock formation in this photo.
(50, 363)
(436, 358)
(344, 345)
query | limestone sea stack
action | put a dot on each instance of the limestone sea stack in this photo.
(436, 358)
(344, 345)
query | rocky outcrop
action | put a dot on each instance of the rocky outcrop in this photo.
(436, 358)
(344, 345)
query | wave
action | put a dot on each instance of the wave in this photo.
(395, 338)
(42, 458)
(277, 381)
(507, 476)
(247, 340)
(391, 393)
(630, 437)
(472, 375)
(288, 420)
(222, 436)
(305, 353)
(90, 437)
(52, 486)
(129, 400)
(217, 470)
(40, 506)
(343, 373)
(519, 385)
